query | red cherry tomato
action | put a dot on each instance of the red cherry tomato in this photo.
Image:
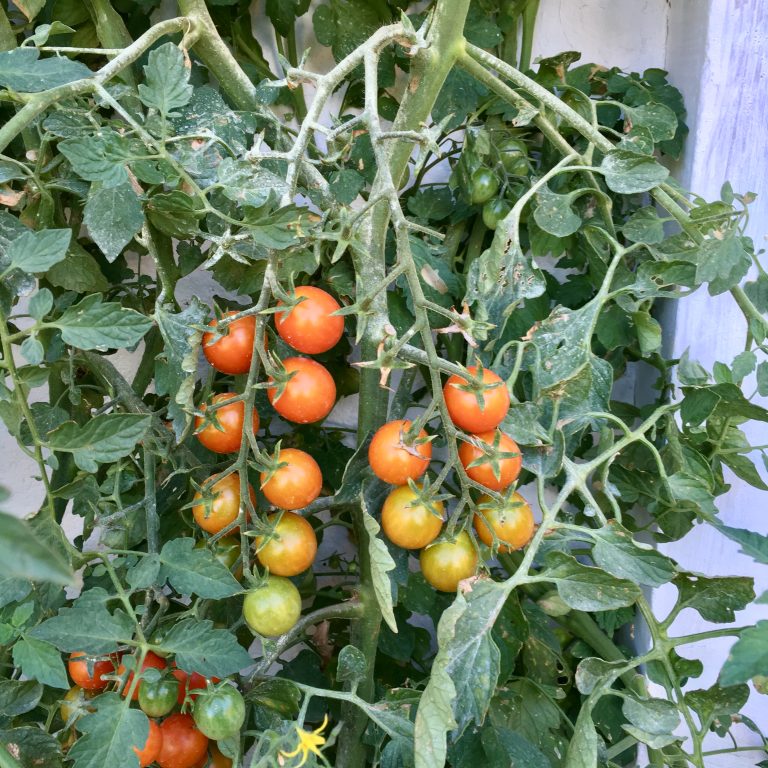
(225, 506)
(183, 744)
(232, 352)
(512, 523)
(463, 406)
(93, 679)
(150, 660)
(308, 396)
(311, 327)
(148, 754)
(294, 485)
(292, 548)
(231, 419)
(393, 459)
(508, 468)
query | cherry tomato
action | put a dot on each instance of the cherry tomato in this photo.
(75, 704)
(231, 419)
(514, 157)
(311, 327)
(483, 185)
(158, 698)
(226, 549)
(149, 753)
(494, 211)
(308, 396)
(88, 672)
(225, 506)
(220, 713)
(513, 523)
(507, 471)
(218, 760)
(150, 660)
(407, 522)
(189, 683)
(464, 409)
(232, 352)
(294, 485)
(445, 564)
(273, 608)
(291, 549)
(183, 744)
(394, 460)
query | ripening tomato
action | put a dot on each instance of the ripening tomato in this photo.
(395, 460)
(183, 744)
(308, 396)
(507, 470)
(291, 549)
(157, 698)
(232, 352)
(217, 759)
(219, 713)
(150, 660)
(189, 683)
(75, 704)
(272, 608)
(409, 523)
(224, 508)
(464, 409)
(88, 671)
(446, 563)
(512, 523)
(231, 419)
(148, 754)
(311, 327)
(295, 484)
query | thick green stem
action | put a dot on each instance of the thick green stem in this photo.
(529, 25)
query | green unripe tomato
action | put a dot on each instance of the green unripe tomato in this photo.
(514, 157)
(158, 698)
(494, 211)
(273, 608)
(220, 713)
(483, 186)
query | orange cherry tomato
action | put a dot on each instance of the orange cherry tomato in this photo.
(395, 461)
(446, 563)
(150, 660)
(409, 523)
(311, 327)
(225, 506)
(152, 747)
(183, 744)
(291, 549)
(93, 679)
(512, 523)
(294, 485)
(231, 419)
(508, 469)
(232, 352)
(464, 409)
(308, 396)
(218, 760)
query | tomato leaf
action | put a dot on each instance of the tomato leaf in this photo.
(113, 215)
(24, 71)
(40, 661)
(38, 251)
(748, 657)
(23, 556)
(628, 173)
(381, 564)
(32, 747)
(715, 598)
(167, 80)
(18, 697)
(196, 571)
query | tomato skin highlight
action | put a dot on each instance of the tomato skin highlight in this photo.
(513, 525)
(219, 714)
(150, 660)
(295, 485)
(77, 666)
(231, 353)
(292, 548)
(225, 506)
(394, 463)
(148, 754)
(273, 608)
(231, 418)
(311, 327)
(308, 396)
(447, 563)
(410, 527)
(509, 468)
(183, 744)
(463, 406)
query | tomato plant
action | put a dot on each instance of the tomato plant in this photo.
(324, 365)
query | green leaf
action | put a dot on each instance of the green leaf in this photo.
(748, 657)
(715, 598)
(91, 324)
(23, 556)
(345, 185)
(145, 572)
(652, 716)
(717, 702)
(78, 272)
(100, 157)
(40, 661)
(644, 226)
(586, 588)
(33, 747)
(582, 750)
(247, 183)
(200, 647)
(38, 251)
(554, 213)
(659, 119)
(628, 173)
(722, 262)
(352, 666)
(616, 552)
(431, 203)
(103, 439)
(753, 544)
(283, 13)
(460, 95)
(743, 467)
(87, 626)
(23, 70)
(113, 215)
(167, 80)
(381, 564)
(109, 735)
(196, 571)
(276, 693)
(41, 304)
(505, 747)
(175, 213)
(18, 697)
(648, 332)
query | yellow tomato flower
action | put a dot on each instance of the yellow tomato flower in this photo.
(309, 741)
